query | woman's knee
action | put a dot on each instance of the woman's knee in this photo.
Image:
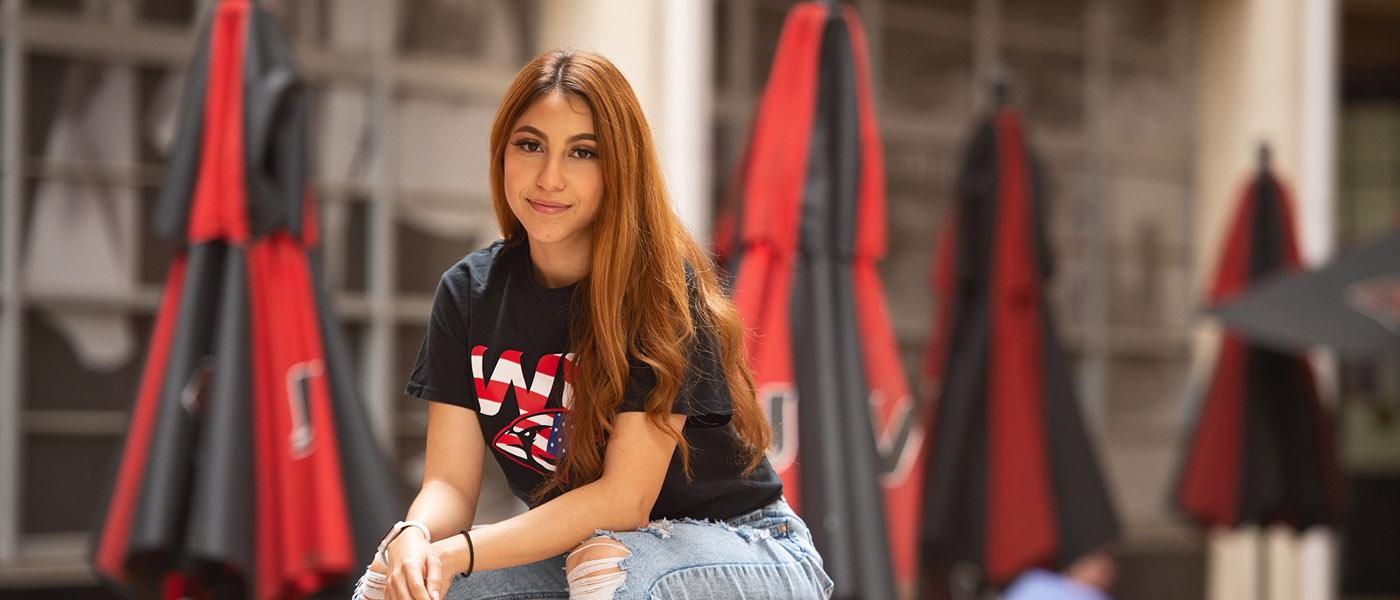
(593, 568)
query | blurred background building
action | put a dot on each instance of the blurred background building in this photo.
(1146, 114)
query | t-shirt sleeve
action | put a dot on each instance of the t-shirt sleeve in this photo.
(704, 396)
(442, 372)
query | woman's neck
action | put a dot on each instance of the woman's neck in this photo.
(561, 263)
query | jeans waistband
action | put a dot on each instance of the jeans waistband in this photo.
(776, 508)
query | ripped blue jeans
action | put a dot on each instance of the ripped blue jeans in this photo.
(766, 553)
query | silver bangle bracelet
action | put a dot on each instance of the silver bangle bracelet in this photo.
(383, 551)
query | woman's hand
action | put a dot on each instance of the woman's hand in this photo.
(414, 570)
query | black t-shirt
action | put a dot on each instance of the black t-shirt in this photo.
(497, 343)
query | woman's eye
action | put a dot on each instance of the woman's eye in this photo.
(528, 145)
(585, 153)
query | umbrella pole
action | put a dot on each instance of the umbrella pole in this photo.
(1261, 565)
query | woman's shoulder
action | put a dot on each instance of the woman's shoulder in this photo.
(471, 273)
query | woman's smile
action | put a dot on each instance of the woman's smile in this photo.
(546, 207)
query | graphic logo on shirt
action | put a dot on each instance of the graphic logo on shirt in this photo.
(533, 438)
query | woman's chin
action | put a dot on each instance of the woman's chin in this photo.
(551, 234)
(548, 237)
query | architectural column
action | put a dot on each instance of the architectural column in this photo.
(1265, 72)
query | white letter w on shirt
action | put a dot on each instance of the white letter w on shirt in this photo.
(508, 374)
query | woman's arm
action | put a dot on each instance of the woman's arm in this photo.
(446, 503)
(634, 467)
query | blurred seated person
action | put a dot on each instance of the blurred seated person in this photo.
(1088, 578)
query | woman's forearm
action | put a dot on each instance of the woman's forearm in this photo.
(444, 508)
(547, 530)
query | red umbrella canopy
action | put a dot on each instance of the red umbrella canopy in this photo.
(769, 227)
(249, 468)
(1261, 449)
(1013, 481)
(805, 239)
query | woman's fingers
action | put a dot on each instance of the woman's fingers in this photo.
(416, 570)
(413, 576)
(402, 583)
(436, 587)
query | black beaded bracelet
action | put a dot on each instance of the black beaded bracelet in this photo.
(471, 554)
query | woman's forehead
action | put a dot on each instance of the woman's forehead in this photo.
(558, 110)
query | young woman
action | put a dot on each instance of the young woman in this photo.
(592, 354)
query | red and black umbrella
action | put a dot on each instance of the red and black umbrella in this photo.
(805, 240)
(1013, 480)
(248, 469)
(1262, 448)
(897, 414)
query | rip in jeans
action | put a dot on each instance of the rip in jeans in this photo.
(598, 571)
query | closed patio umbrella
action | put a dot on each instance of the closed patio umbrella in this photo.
(807, 233)
(1261, 449)
(1013, 480)
(248, 469)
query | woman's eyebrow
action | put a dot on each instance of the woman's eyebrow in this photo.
(573, 138)
(531, 130)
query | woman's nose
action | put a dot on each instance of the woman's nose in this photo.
(550, 177)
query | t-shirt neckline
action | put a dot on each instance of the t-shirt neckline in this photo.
(559, 295)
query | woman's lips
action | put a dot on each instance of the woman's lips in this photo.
(548, 208)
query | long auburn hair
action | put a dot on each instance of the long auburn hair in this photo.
(635, 303)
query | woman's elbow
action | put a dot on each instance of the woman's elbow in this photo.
(626, 509)
(642, 515)
(643, 504)
(454, 492)
(633, 514)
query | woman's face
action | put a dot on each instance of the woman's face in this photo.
(553, 176)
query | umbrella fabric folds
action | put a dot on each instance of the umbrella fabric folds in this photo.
(248, 469)
(898, 415)
(1013, 480)
(805, 243)
(1261, 450)
(1351, 305)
